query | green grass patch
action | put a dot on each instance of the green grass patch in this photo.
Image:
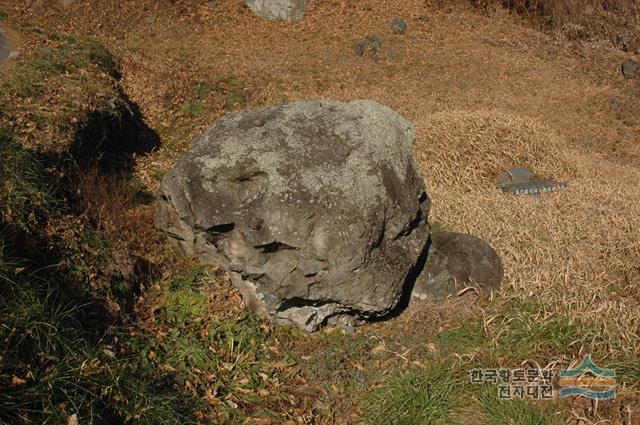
(468, 337)
(437, 227)
(231, 91)
(60, 62)
(504, 412)
(415, 397)
(627, 370)
(523, 332)
(201, 90)
(25, 195)
(193, 108)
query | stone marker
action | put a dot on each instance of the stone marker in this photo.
(278, 10)
(535, 187)
(520, 181)
(630, 69)
(5, 48)
(317, 209)
(455, 261)
(399, 25)
(515, 175)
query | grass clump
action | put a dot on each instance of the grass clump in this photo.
(231, 91)
(438, 226)
(24, 195)
(193, 108)
(59, 60)
(54, 86)
(469, 336)
(416, 397)
(501, 412)
(525, 332)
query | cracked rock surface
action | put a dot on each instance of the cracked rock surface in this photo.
(316, 209)
(278, 10)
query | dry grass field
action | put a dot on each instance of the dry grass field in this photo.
(487, 88)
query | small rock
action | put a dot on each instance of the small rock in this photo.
(616, 104)
(278, 10)
(374, 42)
(630, 68)
(454, 261)
(360, 48)
(621, 43)
(372, 45)
(399, 25)
(515, 175)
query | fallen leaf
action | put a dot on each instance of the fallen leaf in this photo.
(17, 382)
(379, 349)
(211, 399)
(258, 421)
(431, 346)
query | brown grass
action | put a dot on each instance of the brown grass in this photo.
(613, 20)
(574, 251)
(112, 206)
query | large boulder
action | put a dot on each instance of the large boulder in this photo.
(316, 209)
(278, 10)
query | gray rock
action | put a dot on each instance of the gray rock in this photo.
(515, 175)
(371, 45)
(5, 48)
(616, 103)
(399, 25)
(278, 10)
(317, 209)
(454, 261)
(630, 69)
